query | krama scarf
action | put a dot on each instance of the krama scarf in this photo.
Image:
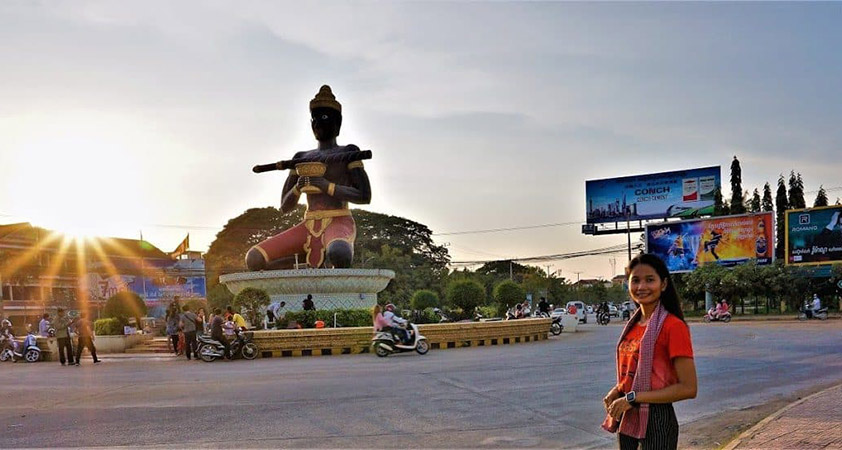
(634, 421)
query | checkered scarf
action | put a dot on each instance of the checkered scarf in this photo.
(634, 421)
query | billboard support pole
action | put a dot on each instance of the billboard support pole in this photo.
(628, 233)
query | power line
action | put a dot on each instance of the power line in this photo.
(555, 257)
(497, 230)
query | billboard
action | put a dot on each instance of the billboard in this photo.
(814, 235)
(153, 290)
(683, 193)
(727, 241)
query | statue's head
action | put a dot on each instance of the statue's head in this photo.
(325, 115)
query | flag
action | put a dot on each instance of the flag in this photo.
(182, 248)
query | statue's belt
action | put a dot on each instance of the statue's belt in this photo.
(325, 214)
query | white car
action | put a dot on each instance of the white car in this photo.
(580, 310)
(558, 312)
(613, 311)
(590, 309)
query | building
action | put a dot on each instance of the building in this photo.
(41, 270)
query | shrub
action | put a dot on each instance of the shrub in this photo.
(508, 293)
(252, 303)
(344, 318)
(109, 327)
(123, 305)
(466, 295)
(423, 299)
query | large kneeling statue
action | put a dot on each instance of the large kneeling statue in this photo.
(331, 175)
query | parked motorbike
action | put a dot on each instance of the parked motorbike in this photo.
(385, 342)
(711, 317)
(556, 327)
(27, 350)
(820, 314)
(242, 346)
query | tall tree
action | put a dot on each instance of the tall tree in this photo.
(718, 203)
(821, 198)
(781, 205)
(754, 205)
(766, 203)
(796, 191)
(737, 200)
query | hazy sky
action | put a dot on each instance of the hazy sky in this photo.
(117, 117)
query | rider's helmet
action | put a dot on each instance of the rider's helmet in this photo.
(390, 307)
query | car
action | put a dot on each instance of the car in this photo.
(580, 310)
(613, 311)
(558, 312)
(590, 309)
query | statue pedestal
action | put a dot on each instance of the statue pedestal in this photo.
(330, 288)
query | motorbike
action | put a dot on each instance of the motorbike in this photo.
(820, 314)
(711, 316)
(603, 318)
(28, 349)
(242, 346)
(556, 327)
(385, 342)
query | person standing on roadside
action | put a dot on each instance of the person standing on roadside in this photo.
(201, 321)
(65, 346)
(188, 327)
(85, 339)
(655, 365)
(173, 317)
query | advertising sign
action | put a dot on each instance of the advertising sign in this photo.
(814, 236)
(727, 241)
(153, 290)
(684, 193)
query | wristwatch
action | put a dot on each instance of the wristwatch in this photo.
(630, 397)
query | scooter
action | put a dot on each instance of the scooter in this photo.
(210, 349)
(820, 314)
(28, 349)
(385, 343)
(556, 327)
(711, 316)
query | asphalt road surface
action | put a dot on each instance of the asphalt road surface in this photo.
(544, 394)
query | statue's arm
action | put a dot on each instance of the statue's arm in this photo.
(359, 190)
(290, 193)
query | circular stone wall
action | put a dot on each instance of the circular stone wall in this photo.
(330, 288)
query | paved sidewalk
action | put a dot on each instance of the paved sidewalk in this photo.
(812, 422)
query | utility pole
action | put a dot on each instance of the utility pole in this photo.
(577, 284)
(613, 263)
(511, 270)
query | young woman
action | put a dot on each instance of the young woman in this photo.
(380, 323)
(655, 365)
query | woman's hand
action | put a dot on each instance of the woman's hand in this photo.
(609, 398)
(618, 407)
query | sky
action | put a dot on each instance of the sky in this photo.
(122, 118)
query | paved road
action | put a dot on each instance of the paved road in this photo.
(544, 394)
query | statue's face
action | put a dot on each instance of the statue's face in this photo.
(325, 123)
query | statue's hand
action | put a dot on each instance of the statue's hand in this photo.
(319, 182)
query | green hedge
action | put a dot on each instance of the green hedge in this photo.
(344, 318)
(108, 327)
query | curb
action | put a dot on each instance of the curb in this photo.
(753, 430)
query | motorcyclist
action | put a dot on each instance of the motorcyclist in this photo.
(7, 339)
(721, 309)
(397, 324)
(813, 307)
(543, 306)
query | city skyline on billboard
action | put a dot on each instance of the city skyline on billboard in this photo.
(814, 235)
(727, 240)
(682, 193)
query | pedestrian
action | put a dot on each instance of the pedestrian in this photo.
(188, 327)
(655, 366)
(216, 331)
(173, 317)
(65, 346)
(307, 304)
(200, 321)
(44, 326)
(85, 337)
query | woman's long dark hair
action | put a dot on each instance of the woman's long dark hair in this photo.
(669, 297)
